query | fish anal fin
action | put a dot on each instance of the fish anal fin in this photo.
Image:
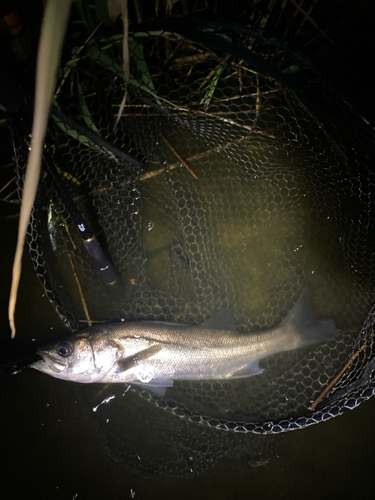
(133, 360)
(248, 370)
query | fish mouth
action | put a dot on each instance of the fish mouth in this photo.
(46, 364)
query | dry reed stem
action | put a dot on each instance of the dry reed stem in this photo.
(52, 36)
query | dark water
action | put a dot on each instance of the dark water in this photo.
(51, 449)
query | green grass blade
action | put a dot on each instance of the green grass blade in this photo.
(85, 110)
(211, 90)
(85, 141)
(104, 60)
(136, 50)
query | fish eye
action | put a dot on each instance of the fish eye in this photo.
(64, 349)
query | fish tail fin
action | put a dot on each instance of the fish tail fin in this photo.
(309, 330)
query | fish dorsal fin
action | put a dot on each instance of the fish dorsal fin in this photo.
(127, 363)
(222, 320)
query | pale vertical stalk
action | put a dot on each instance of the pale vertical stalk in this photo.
(125, 56)
(51, 40)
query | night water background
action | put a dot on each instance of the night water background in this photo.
(49, 446)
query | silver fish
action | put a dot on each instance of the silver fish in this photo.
(157, 353)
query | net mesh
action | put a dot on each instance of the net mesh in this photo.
(252, 181)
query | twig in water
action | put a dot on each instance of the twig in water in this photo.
(178, 156)
(331, 384)
(9, 195)
(8, 184)
(80, 290)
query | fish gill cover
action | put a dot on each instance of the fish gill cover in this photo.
(246, 178)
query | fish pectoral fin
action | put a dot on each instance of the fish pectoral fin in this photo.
(248, 370)
(133, 360)
(157, 383)
(158, 387)
(158, 390)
